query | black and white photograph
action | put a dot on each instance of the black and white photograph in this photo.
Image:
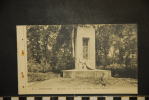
(77, 59)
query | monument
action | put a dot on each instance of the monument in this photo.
(84, 54)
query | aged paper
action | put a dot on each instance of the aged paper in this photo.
(77, 59)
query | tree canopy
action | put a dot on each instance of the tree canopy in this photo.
(50, 48)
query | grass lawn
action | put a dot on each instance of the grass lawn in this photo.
(38, 76)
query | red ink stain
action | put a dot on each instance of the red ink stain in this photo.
(22, 74)
(22, 53)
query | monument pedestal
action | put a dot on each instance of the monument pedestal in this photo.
(82, 74)
(84, 53)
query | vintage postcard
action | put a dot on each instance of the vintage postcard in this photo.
(77, 59)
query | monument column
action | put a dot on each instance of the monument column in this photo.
(85, 55)
(85, 48)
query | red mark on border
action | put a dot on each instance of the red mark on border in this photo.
(22, 74)
(22, 53)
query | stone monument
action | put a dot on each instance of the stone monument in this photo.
(84, 53)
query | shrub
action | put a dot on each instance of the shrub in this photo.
(32, 76)
(120, 70)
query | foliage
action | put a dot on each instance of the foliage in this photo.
(120, 70)
(62, 50)
(38, 76)
(116, 44)
(50, 48)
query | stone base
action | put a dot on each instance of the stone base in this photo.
(94, 74)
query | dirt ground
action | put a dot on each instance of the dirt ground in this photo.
(112, 85)
(68, 82)
(56, 84)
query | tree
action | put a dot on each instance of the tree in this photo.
(38, 41)
(103, 38)
(62, 49)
